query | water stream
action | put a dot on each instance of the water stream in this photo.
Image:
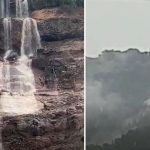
(22, 9)
(2, 9)
(7, 35)
(7, 8)
(17, 80)
(30, 37)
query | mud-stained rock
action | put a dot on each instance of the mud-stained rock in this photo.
(48, 129)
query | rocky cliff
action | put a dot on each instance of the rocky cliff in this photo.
(58, 71)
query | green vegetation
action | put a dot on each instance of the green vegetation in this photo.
(137, 139)
(94, 147)
(74, 3)
(34, 5)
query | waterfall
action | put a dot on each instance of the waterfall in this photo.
(36, 35)
(25, 12)
(18, 79)
(8, 49)
(7, 33)
(26, 39)
(7, 8)
(27, 83)
(30, 41)
(18, 9)
(6, 73)
(2, 9)
(22, 9)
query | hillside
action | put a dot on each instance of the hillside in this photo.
(58, 74)
(118, 86)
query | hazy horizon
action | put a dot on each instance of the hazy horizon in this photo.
(118, 25)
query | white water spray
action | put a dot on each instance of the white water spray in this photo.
(19, 79)
(22, 9)
(2, 9)
(7, 35)
(7, 3)
(30, 41)
(5, 67)
(8, 50)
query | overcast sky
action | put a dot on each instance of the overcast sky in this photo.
(117, 24)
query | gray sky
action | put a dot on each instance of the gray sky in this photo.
(117, 24)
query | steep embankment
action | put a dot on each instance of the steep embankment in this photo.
(58, 72)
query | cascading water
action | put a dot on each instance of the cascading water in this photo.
(7, 33)
(30, 42)
(5, 67)
(2, 9)
(8, 49)
(7, 3)
(19, 78)
(37, 41)
(22, 9)
(30, 37)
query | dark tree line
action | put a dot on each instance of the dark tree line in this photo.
(138, 139)
(71, 2)
(54, 3)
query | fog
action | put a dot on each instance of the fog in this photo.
(118, 93)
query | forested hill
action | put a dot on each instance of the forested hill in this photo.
(118, 100)
(137, 139)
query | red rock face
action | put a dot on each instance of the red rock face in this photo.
(58, 70)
